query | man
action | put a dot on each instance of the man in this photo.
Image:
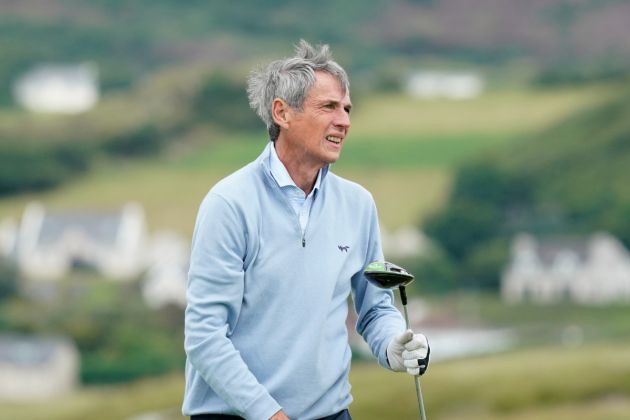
(278, 247)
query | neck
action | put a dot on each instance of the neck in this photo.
(301, 172)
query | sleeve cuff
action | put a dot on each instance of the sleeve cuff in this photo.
(262, 408)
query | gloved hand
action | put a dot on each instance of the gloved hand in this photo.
(410, 352)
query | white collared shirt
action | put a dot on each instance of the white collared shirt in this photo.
(300, 204)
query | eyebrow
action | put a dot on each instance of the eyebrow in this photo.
(347, 107)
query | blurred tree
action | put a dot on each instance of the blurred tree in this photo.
(118, 336)
(569, 179)
(434, 273)
(8, 279)
(462, 225)
(223, 101)
(140, 141)
(484, 264)
(29, 166)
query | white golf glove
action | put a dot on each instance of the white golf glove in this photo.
(409, 352)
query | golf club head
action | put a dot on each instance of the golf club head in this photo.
(387, 275)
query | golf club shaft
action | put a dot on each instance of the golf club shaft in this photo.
(403, 298)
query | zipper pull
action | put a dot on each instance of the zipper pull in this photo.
(303, 242)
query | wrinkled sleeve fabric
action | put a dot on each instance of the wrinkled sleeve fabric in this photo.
(215, 294)
(378, 319)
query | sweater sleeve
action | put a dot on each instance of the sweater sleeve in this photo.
(378, 319)
(215, 294)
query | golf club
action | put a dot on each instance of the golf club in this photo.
(388, 276)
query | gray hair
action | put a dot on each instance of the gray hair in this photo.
(290, 79)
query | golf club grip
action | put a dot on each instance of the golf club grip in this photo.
(403, 296)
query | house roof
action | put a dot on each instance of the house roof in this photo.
(29, 351)
(549, 250)
(98, 227)
(580, 250)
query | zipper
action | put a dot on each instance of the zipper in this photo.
(308, 222)
(290, 208)
(295, 217)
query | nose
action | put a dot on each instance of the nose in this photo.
(342, 119)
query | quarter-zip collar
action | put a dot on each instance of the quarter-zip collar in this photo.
(281, 175)
(278, 174)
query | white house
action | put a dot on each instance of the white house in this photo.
(48, 245)
(35, 368)
(405, 242)
(165, 280)
(591, 271)
(447, 85)
(58, 88)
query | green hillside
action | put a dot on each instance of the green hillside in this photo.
(568, 179)
(406, 161)
(162, 69)
(579, 169)
(380, 40)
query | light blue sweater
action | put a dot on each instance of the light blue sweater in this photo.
(267, 304)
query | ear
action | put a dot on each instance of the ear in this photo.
(281, 112)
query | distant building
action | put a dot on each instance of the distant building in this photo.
(8, 236)
(55, 88)
(447, 85)
(404, 242)
(34, 368)
(48, 245)
(165, 280)
(51, 244)
(592, 272)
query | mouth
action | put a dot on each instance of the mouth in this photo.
(334, 139)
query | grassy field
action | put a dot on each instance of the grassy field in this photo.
(536, 324)
(502, 113)
(403, 150)
(587, 383)
(543, 378)
(171, 191)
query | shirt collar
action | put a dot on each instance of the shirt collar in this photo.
(281, 175)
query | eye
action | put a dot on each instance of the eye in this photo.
(348, 109)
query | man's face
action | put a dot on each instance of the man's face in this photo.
(316, 134)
